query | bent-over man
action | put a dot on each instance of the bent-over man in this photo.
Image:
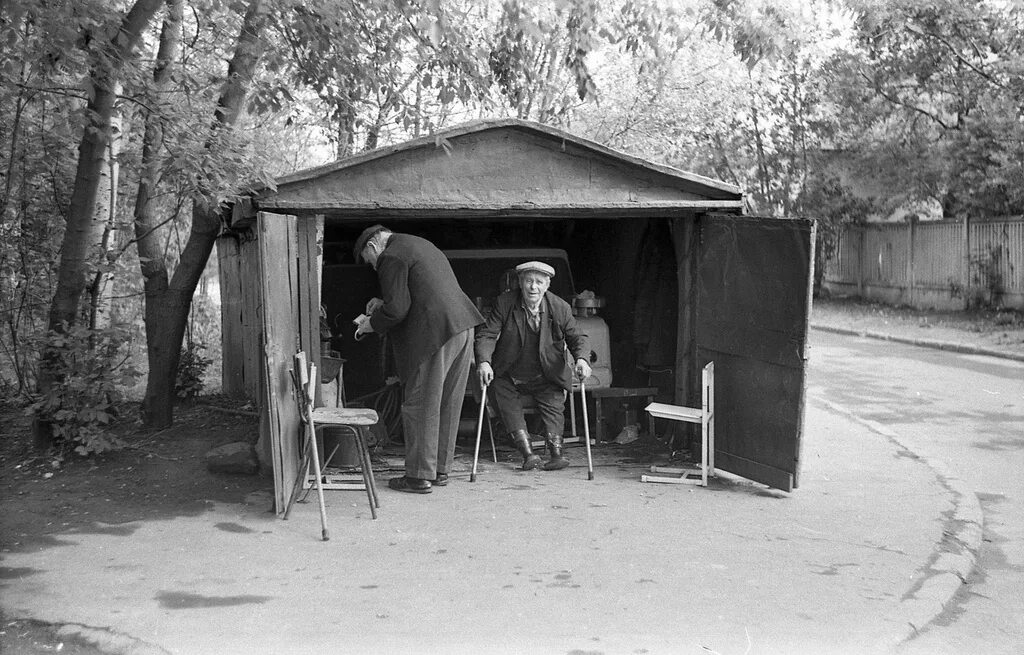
(520, 351)
(430, 321)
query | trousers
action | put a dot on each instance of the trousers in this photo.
(431, 407)
(549, 398)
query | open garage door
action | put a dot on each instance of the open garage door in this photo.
(753, 305)
(289, 296)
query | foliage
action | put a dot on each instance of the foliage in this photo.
(930, 94)
(836, 109)
(92, 370)
(191, 371)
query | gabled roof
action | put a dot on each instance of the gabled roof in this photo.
(506, 166)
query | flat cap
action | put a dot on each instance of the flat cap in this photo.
(539, 267)
(367, 234)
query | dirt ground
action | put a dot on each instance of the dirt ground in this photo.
(162, 474)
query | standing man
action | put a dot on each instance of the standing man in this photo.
(521, 349)
(430, 321)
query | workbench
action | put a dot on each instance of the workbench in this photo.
(624, 395)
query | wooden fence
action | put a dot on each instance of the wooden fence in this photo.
(944, 265)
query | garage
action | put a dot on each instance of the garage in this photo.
(669, 268)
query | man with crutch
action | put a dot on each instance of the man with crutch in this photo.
(521, 351)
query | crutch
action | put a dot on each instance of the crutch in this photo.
(479, 431)
(586, 429)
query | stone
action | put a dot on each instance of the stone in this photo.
(234, 458)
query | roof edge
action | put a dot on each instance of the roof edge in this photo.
(486, 124)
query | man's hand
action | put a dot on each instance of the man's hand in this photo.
(363, 327)
(373, 305)
(583, 369)
(485, 372)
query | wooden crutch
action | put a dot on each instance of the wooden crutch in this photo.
(479, 431)
(586, 429)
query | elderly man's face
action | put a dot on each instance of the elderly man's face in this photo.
(533, 285)
(370, 254)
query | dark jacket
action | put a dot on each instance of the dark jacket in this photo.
(500, 339)
(424, 306)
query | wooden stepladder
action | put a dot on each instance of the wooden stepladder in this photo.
(705, 415)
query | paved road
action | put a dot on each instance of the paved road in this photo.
(965, 415)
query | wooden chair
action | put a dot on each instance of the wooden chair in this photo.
(705, 415)
(350, 420)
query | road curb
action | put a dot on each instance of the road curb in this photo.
(955, 555)
(108, 641)
(925, 343)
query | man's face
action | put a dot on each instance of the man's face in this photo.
(533, 285)
(370, 254)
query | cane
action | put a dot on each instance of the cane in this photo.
(479, 430)
(586, 429)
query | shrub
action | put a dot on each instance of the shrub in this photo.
(191, 369)
(90, 369)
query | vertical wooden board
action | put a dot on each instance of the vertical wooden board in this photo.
(308, 291)
(278, 248)
(231, 308)
(252, 317)
(753, 302)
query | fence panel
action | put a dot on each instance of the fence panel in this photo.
(887, 254)
(938, 255)
(876, 262)
(997, 256)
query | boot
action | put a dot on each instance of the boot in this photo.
(557, 461)
(521, 438)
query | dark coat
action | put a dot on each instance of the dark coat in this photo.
(424, 306)
(500, 339)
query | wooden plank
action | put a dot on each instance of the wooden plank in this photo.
(752, 470)
(684, 232)
(252, 317)
(308, 293)
(231, 308)
(277, 248)
(469, 209)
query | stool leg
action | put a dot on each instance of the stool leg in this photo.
(368, 479)
(369, 467)
(364, 456)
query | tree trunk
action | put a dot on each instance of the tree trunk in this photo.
(167, 304)
(161, 305)
(167, 316)
(84, 230)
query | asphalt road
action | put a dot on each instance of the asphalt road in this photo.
(964, 414)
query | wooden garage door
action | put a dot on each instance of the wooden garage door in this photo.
(753, 304)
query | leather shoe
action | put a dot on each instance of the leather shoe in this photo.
(410, 485)
(441, 480)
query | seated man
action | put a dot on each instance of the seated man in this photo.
(520, 351)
